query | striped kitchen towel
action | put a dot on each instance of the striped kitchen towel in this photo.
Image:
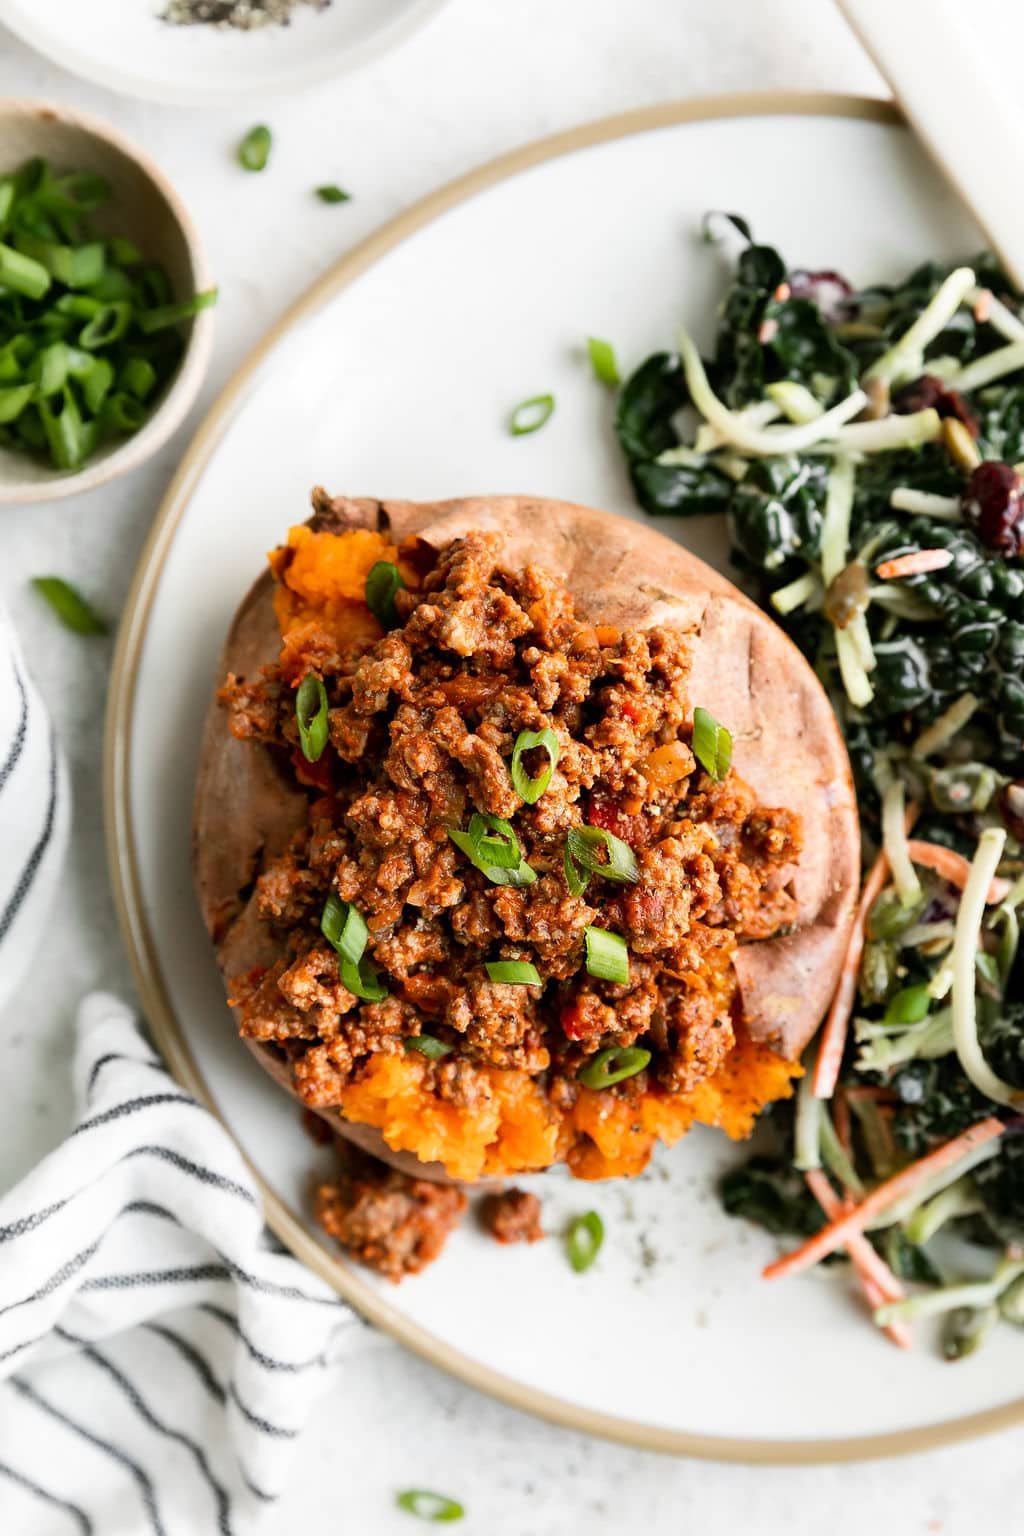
(159, 1352)
(34, 813)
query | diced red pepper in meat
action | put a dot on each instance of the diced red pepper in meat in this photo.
(314, 775)
(634, 830)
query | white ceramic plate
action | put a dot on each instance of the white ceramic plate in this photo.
(394, 377)
(125, 45)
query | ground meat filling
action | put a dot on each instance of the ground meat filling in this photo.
(394, 1224)
(512, 1217)
(422, 725)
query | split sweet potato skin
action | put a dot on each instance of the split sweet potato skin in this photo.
(786, 742)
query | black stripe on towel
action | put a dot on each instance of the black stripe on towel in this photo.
(204, 1175)
(132, 1107)
(85, 1525)
(102, 1061)
(142, 1408)
(56, 1279)
(142, 1482)
(224, 1271)
(265, 1427)
(21, 731)
(188, 1352)
(35, 858)
(268, 1362)
(29, 1223)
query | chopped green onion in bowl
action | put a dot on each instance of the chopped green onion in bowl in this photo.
(90, 326)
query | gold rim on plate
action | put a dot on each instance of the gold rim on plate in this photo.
(121, 855)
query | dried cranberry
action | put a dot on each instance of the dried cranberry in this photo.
(992, 505)
(1011, 809)
(929, 393)
(828, 290)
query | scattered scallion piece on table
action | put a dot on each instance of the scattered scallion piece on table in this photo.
(583, 1240)
(615, 1065)
(607, 957)
(514, 973)
(712, 744)
(333, 194)
(311, 717)
(425, 1505)
(530, 415)
(69, 605)
(382, 583)
(602, 360)
(254, 150)
(530, 790)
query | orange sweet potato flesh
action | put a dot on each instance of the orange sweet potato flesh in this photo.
(786, 744)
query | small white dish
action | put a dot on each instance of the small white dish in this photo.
(146, 209)
(130, 48)
(394, 376)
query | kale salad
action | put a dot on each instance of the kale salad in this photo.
(867, 450)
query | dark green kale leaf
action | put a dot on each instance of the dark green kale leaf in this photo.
(937, 1103)
(647, 404)
(775, 514)
(685, 489)
(1000, 1182)
(773, 1195)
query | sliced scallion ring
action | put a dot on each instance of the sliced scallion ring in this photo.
(429, 1046)
(608, 959)
(254, 150)
(69, 605)
(480, 848)
(602, 360)
(362, 980)
(712, 744)
(583, 1239)
(425, 1505)
(513, 973)
(530, 415)
(584, 844)
(344, 928)
(614, 1065)
(311, 717)
(382, 583)
(530, 790)
(575, 878)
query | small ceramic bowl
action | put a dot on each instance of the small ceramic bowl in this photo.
(146, 209)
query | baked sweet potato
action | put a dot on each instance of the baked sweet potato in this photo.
(624, 576)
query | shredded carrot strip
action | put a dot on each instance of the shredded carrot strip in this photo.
(915, 564)
(838, 1232)
(833, 1036)
(874, 1274)
(952, 866)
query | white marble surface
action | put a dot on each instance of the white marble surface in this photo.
(483, 77)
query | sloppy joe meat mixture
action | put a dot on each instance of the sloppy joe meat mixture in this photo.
(423, 720)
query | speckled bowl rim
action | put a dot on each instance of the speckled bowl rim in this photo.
(166, 1029)
(192, 368)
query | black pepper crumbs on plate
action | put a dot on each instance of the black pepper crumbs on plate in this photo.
(244, 15)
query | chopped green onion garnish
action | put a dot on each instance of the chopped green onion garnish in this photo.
(254, 150)
(513, 973)
(382, 583)
(138, 377)
(583, 1240)
(168, 315)
(429, 1506)
(526, 788)
(333, 194)
(602, 360)
(614, 1065)
(492, 846)
(13, 401)
(607, 957)
(311, 717)
(107, 325)
(712, 744)
(69, 606)
(22, 274)
(575, 878)
(530, 415)
(583, 846)
(429, 1046)
(345, 930)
